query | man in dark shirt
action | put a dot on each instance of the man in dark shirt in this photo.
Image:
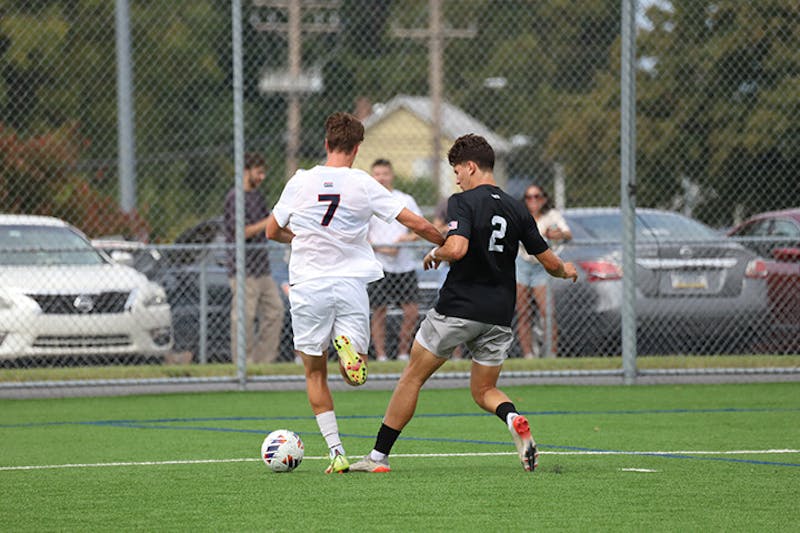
(263, 303)
(476, 302)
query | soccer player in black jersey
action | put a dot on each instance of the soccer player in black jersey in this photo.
(476, 302)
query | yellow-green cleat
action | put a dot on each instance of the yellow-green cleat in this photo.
(352, 366)
(339, 465)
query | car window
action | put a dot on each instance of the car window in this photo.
(757, 228)
(670, 226)
(649, 227)
(45, 245)
(785, 228)
(576, 228)
(599, 226)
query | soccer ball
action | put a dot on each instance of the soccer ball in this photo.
(282, 450)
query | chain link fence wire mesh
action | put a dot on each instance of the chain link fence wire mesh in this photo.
(718, 141)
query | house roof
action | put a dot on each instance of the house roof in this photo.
(455, 122)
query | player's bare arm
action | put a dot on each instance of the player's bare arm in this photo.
(255, 228)
(556, 267)
(420, 226)
(277, 233)
(454, 248)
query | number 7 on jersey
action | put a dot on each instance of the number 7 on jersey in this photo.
(334, 203)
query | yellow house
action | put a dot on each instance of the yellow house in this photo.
(400, 131)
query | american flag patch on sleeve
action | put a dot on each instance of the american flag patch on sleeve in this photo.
(452, 225)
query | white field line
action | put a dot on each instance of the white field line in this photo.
(480, 454)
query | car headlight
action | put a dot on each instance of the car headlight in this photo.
(156, 296)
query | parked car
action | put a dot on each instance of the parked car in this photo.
(195, 276)
(775, 235)
(695, 292)
(62, 299)
(145, 258)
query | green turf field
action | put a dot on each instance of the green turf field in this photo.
(699, 458)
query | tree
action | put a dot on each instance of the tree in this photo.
(717, 106)
(39, 177)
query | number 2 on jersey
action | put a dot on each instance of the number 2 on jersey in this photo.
(334, 203)
(499, 224)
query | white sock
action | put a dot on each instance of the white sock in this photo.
(510, 420)
(375, 455)
(330, 431)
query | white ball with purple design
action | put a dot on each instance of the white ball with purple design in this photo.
(282, 450)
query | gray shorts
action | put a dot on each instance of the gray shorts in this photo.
(487, 343)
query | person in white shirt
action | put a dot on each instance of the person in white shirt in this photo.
(399, 286)
(324, 212)
(531, 275)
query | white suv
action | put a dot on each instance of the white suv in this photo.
(59, 296)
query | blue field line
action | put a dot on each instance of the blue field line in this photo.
(419, 415)
(665, 455)
(162, 424)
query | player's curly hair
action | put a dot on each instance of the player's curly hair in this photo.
(343, 132)
(473, 148)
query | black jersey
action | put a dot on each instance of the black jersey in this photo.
(482, 285)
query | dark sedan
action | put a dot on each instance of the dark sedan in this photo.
(775, 235)
(195, 276)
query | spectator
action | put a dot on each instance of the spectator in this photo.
(399, 286)
(263, 304)
(531, 276)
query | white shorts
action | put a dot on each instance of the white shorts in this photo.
(324, 308)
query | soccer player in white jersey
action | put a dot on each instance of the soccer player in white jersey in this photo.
(324, 212)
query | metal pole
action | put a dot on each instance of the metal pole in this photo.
(238, 157)
(559, 186)
(203, 318)
(293, 111)
(125, 131)
(547, 346)
(628, 190)
(436, 90)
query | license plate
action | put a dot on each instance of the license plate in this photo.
(689, 281)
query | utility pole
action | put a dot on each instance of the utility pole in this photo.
(287, 18)
(125, 120)
(435, 35)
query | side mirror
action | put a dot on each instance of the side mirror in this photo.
(787, 255)
(122, 257)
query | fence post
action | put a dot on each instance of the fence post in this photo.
(238, 157)
(127, 149)
(203, 344)
(628, 189)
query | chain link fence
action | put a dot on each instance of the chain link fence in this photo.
(142, 167)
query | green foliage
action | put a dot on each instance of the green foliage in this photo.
(718, 108)
(39, 178)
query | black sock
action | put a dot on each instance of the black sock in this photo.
(503, 410)
(386, 439)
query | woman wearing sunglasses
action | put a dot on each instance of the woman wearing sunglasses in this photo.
(531, 276)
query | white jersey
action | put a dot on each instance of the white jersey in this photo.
(328, 209)
(381, 232)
